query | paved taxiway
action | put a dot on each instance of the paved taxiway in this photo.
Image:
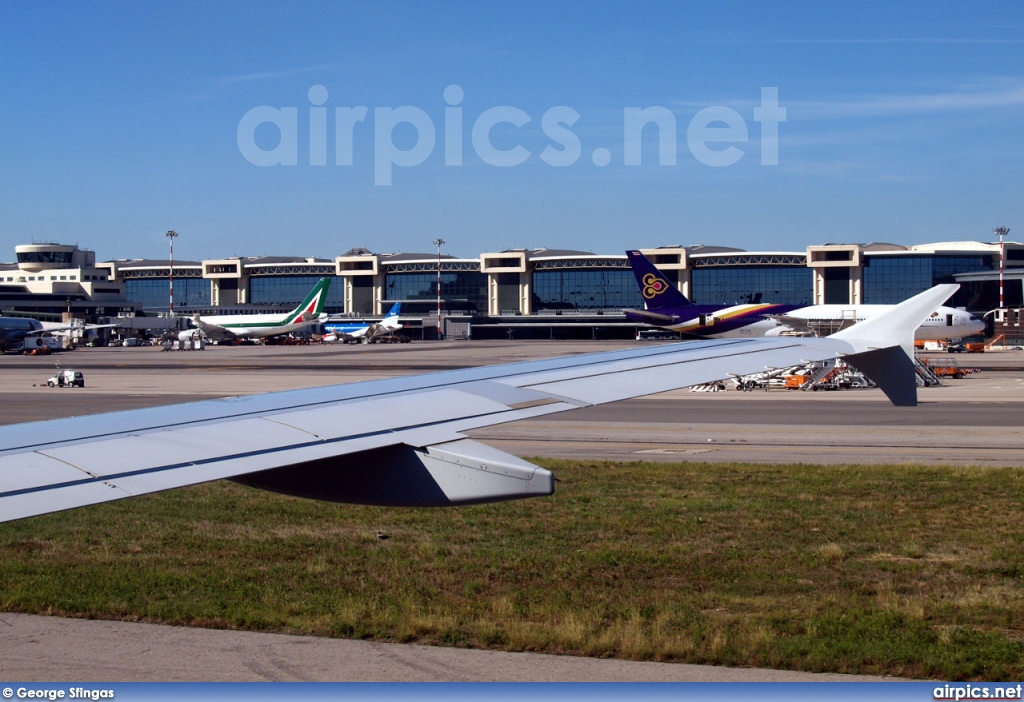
(973, 421)
(970, 421)
(34, 648)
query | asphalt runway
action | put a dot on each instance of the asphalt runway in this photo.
(972, 421)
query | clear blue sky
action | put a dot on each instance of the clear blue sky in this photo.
(118, 121)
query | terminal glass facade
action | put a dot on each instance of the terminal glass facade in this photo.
(461, 290)
(889, 280)
(837, 285)
(740, 285)
(581, 289)
(292, 289)
(154, 293)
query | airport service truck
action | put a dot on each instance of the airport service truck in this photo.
(67, 379)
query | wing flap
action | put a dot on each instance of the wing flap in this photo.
(655, 318)
(796, 324)
(450, 473)
(215, 331)
(469, 472)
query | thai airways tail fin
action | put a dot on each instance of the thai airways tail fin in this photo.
(656, 289)
(884, 344)
(313, 306)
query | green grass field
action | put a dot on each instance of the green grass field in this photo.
(897, 570)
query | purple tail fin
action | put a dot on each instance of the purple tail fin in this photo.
(656, 289)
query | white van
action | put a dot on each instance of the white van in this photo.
(67, 379)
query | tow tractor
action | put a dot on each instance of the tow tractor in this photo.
(67, 379)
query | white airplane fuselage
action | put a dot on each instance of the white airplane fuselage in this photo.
(257, 325)
(339, 331)
(944, 324)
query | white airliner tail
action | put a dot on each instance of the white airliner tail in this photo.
(390, 323)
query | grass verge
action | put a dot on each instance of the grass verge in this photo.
(897, 570)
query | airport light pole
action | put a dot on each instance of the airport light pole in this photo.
(171, 236)
(1001, 232)
(437, 243)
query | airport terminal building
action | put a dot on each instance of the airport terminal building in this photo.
(538, 293)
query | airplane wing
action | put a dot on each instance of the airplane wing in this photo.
(795, 324)
(213, 331)
(389, 325)
(648, 317)
(381, 329)
(803, 326)
(351, 335)
(399, 442)
(64, 330)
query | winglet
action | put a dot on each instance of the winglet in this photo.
(896, 327)
(884, 344)
(656, 289)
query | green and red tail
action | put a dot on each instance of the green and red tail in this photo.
(313, 306)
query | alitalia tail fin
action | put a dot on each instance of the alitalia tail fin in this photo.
(313, 306)
(656, 289)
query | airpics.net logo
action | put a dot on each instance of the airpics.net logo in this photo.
(712, 134)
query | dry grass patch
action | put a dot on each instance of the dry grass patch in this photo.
(831, 552)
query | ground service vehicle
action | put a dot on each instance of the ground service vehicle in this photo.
(67, 379)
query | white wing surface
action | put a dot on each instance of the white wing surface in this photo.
(215, 331)
(397, 441)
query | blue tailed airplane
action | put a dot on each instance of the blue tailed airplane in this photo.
(364, 333)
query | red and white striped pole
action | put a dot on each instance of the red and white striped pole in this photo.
(1002, 232)
(437, 243)
(171, 234)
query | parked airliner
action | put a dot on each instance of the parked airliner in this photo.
(237, 326)
(668, 308)
(365, 333)
(14, 330)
